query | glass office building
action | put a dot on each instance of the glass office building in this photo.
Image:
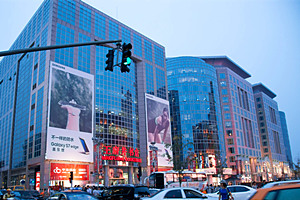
(195, 113)
(119, 98)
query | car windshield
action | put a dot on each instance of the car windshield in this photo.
(77, 196)
(119, 191)
(139, 190)
(26, 194)
(156, 193)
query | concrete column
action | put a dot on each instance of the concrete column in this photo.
(106, 175)
(130, 175)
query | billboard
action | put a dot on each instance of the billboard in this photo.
(61, 171)
(70, 114)
(159, 138)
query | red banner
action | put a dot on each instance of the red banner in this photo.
(61, 171)
(153, 161)
(37, 181)
(95, 158)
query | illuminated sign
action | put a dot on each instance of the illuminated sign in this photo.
(61, 171)
(37, 181)
(126, 154)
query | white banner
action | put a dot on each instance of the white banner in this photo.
(158, 130)
(70, 114)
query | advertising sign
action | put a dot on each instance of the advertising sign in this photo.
(159, 129)
(118, 153)
(37, 181)
(227, 171)
(70, 114)
(61, 171)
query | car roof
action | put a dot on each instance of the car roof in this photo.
(272, 184)
(264, 191)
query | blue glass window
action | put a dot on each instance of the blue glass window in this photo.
(66, 11)
(137, 45)
(161, 83)
(113, 30)
(84, 54)
(159, 56)
(100, 26)
(85, 18)
(148, 50)
(149, 79)
(222, 75)
(126, 35)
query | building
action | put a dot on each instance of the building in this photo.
(195, 114)
(286, 139)
(272, 141)
(35, 144)
(239, 119)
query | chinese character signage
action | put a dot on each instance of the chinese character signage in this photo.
(61, 171)
(118, 153)
(70, 114)
(159, 130)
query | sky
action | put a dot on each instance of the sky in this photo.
(261, 36)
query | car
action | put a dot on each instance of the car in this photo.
(36, 194)
(272, 184)
(178, 193)
(280, 192)
(17, 187)
(23, 195)
(2, 192)
(239, 192)
(125, 192)
(72, 195)
(153, 191)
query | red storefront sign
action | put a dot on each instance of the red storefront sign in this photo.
(37, 181)
(125, 154)
(61, 171)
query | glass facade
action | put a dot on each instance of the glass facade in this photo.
(119, 97)
(286, 139)
(195, 109)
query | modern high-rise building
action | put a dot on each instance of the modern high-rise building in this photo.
(286, 139)
(239, 119)
(52, 103)
(195, 113)
(272, 141)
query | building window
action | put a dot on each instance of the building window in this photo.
(227, 116)
(272, 115)
(258, 99)
(222, 76)
(229, 132)
(264, 137)
(262, 124)
(228, 124)
(231, 159)
(261, 118)
(243, 99)
(277, 142)
(265, 144)
(223, 83)
(226, 108)
(263, 130)
(224, 92)
(230, 141)
(225, 100)
(266, 150)
(231, 150)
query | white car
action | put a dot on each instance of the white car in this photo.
(272, 184)
(239, 192)
(178, 194)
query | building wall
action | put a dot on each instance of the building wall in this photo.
(286, 139)
(119, 97)
(195, 109)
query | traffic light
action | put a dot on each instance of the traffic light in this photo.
(71, 177)
(110, 61)
(139, 173)
(126, 57)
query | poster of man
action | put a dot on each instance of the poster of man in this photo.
(70, 114)
(159, 129)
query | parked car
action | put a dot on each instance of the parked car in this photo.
(125, 192)
(72, 195)
(178, 193)
(2, 192)
(272, 184)
(280, 192)
(239, 192)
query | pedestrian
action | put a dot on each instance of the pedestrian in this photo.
(254, 186)
(217, 188)
(8, 194)
(263, 183)
(224, 192)
(210, 189)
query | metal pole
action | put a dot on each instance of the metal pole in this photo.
(17, 51)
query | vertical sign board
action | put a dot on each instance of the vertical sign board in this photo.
(158, 130)
(37, 181)
(70, 114)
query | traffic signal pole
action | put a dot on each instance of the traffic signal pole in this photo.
(61, 46)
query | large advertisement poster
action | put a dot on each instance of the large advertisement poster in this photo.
(159, 138)
(70, 114)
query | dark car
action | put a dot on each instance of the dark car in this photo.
(36, 194)
(23, 195)
(2, 192)
(72, 195)
(125, 192)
